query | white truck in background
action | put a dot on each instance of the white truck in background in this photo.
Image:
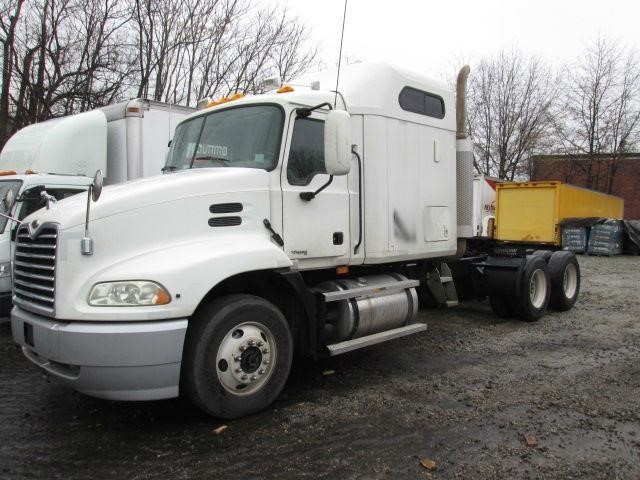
(127, 140)
(300, 220)
(484, 204)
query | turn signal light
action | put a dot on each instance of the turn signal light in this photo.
(285, 89)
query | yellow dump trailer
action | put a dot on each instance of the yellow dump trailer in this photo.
(531, 211)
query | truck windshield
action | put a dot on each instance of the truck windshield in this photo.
(244, 136)
(5, 186)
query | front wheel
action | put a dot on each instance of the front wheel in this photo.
(237, 358)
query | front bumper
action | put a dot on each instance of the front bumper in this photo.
(116, 361)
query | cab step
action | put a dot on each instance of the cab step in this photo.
(440, 283)
(356, 343)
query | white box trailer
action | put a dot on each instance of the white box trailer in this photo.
(297, 220)
(127, 140)
(484, 204)
(138, 136)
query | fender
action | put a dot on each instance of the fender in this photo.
(187, 270)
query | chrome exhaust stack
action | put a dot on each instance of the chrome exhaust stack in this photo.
(464, 159)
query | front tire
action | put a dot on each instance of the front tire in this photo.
(238, 353)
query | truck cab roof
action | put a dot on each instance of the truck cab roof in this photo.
(367, 88)
(72, 145)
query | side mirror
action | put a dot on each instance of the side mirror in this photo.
(337, 142)
(96, 186)
(8, 200)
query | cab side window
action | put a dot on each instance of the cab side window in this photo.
(306, 155)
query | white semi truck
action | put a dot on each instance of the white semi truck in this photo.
(125, 141)
(300, 220)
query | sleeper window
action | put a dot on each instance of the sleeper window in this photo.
(306, 155)
(424, 103)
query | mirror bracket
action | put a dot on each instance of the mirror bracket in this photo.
(304, 112)
(308, 196)
(93, 193)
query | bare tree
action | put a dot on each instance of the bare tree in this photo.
(64, 56)
(510, 96)
(9, 17)
(201, 48)
(599, 116)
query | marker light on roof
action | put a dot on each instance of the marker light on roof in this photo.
(235, 96)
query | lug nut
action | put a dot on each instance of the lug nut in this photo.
(264, 350)
(242, 348)
(237, 358)
(253, 378)
(243, 377)
(261, 371)
(260, 343)
(266, 362)
(252, 342)
(238, 370)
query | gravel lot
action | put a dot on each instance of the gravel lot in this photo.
(464, 394)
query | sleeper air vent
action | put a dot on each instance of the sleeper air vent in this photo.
(226, 208)
(224, 221)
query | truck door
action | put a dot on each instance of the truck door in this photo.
(315, 232)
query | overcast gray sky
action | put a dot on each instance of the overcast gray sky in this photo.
(429, 35)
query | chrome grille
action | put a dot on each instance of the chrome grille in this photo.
(34, 267)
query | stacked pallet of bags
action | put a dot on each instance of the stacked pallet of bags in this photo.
(575, 239)
(606, 238)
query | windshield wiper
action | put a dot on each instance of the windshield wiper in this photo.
(169, 168)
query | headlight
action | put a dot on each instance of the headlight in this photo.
(5, 269)
(128, 294)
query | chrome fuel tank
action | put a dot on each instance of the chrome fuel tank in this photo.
(373, 313)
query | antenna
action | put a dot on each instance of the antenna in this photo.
(344, 17)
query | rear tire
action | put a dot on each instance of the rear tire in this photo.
(531, 302)
(237, 356)
(565, 280)
(545, 254)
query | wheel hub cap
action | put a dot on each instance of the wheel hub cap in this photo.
(250, 360)
(538, 288)
(570, 281)
(246, 358)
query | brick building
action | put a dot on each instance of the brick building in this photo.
(620, 177)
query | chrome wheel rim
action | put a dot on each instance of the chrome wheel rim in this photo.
(570, 280)
(538, 288)
(246, 358)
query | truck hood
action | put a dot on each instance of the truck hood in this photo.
(142, 193)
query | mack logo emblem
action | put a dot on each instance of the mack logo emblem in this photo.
(33, 228)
